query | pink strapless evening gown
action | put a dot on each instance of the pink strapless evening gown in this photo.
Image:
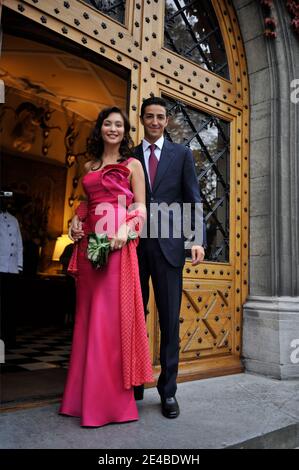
(94, 389)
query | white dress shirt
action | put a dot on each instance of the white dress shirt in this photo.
(146, 152)
(11, 245)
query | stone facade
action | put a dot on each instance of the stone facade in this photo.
(271, 312)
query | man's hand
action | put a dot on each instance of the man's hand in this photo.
(198, 254)
(75, 230)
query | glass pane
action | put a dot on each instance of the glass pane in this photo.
(208, 138)
(192, 30)
(114, 8)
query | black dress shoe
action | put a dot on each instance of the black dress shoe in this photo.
(139, 392)
(170, 407)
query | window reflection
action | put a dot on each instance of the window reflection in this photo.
(114, 8)
(192, 30)
(208, 138)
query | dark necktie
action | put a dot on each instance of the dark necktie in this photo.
(152, 164)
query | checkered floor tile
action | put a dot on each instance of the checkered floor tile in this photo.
(45, 348)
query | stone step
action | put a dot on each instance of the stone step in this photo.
(283, 438)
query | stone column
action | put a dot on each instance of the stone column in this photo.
(271, 312)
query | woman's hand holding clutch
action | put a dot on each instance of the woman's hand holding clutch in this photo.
(120, 238)
(99, 245)
(75, 231)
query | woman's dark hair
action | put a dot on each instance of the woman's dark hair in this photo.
(150, 101)
(95, 145)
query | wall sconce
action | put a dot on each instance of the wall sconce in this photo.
(71, 201)
(70, 159)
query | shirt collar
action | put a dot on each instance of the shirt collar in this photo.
(159, 143)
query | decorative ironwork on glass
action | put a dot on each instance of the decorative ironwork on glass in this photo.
(208, 138)
(192, 30)
(114, 8)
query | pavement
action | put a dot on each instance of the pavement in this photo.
(242, 410)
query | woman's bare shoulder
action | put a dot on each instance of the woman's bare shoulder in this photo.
(87, 166)
(135, 167)
(135, 164)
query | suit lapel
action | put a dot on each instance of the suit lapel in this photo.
(164, 162)
(140, 156)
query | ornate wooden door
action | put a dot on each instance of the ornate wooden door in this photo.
(191, 53)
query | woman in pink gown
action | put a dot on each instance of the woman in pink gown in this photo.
(110, 352)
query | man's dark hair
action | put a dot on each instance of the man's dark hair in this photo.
(150, 101)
